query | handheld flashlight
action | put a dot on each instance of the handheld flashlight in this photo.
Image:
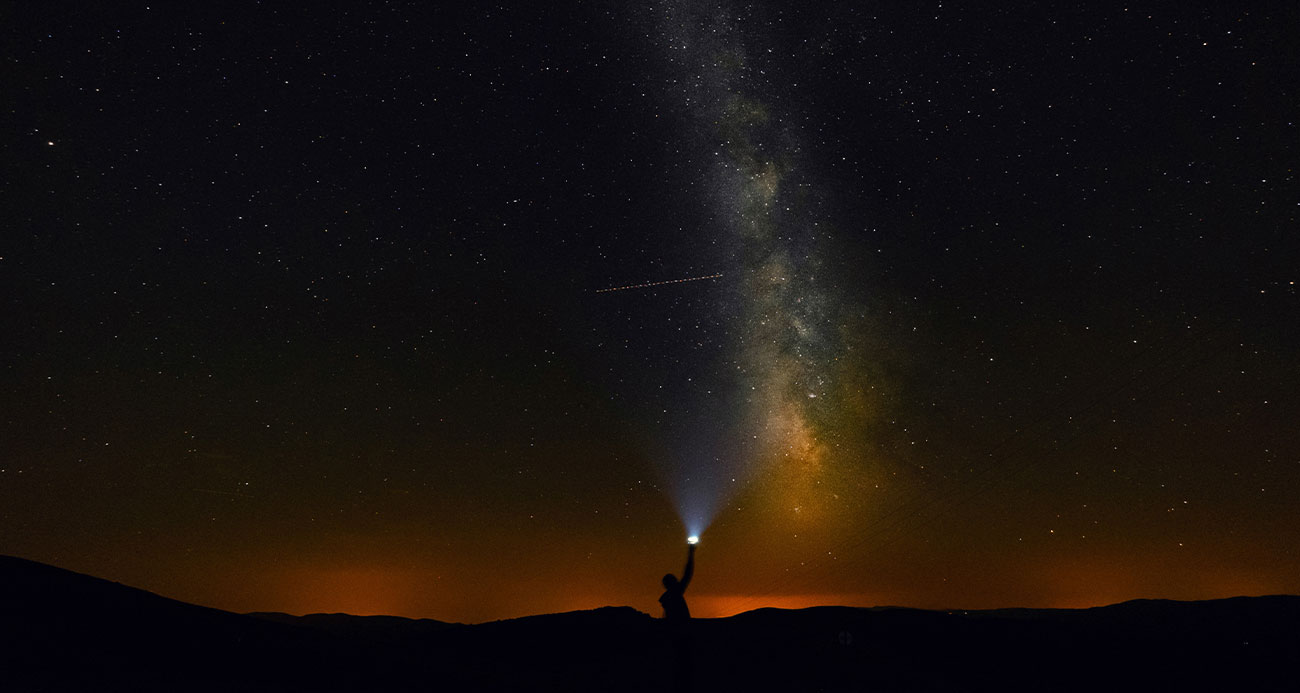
(692, 539)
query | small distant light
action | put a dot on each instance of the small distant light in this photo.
(49, 143)
(692, 539)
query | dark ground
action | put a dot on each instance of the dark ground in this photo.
(65, 631)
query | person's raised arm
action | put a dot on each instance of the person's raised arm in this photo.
(690, 567)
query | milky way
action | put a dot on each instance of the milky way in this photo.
(780, 315)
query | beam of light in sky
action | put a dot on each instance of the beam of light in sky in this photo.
(778, 318)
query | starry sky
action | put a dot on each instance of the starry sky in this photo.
(306, 309)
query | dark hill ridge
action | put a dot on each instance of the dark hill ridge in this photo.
(60, 630)
(380, 628)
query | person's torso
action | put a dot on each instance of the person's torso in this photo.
(674, 605)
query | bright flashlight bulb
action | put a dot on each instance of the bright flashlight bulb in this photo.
(692, 539)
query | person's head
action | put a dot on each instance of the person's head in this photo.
(670, 581)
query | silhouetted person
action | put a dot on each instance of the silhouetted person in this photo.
(673, 599)
(678, 619)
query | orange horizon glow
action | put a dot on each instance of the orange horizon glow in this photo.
(707, 606)
(378, 591)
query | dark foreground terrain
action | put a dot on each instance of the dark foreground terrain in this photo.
(64, 631)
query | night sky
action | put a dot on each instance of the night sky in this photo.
(992, 304)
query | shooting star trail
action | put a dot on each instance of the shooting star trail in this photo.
(668, 281)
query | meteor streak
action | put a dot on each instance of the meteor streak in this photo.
(668, 281)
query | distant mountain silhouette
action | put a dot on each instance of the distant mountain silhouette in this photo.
(64, 631)
(378, 628)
